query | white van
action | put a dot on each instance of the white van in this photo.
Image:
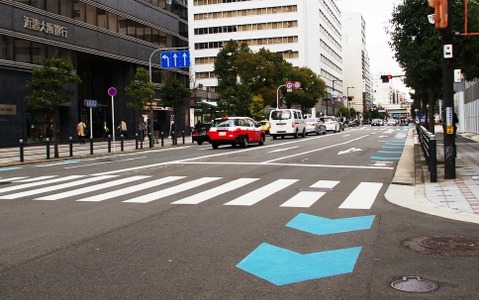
(285, 121)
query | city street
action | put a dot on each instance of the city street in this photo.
(298, 218)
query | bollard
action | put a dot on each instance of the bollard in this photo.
(22, 156)
(136, 142)
(173, 138)
(71, 145)
(91, 146)
(183, 134)
(109, 143)
(150, 139)
(48, 148)
(122, 144)
(162, 136)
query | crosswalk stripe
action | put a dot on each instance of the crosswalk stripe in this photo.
(257, 195)
(8, 180)
(131, 189)
(51, 188)
(227, 187)
(308, 198)
(37, 183)
(92, 188)
(363, 196)
(172, 190)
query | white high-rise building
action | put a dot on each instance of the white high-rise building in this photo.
(357, 78)
(307, 33)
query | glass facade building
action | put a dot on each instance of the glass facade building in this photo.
(106, 40)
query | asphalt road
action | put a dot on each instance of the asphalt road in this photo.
(298, 218)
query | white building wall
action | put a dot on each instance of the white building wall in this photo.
(318, 35)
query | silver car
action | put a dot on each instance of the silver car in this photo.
(314, 125)
(331, 123)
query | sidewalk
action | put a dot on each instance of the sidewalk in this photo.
(38, 153)
(455, 199)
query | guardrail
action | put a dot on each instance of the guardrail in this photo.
(429, 148)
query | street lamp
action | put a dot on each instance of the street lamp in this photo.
(277, 95)
(333, 100)
(350, 107)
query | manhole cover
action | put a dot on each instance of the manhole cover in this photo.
(315, 189)
(450, 243)
(415, 284)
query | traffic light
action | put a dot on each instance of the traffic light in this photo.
(441, 19)
(385, 78)
(350, 98)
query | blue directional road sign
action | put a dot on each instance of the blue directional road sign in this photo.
(175, 59)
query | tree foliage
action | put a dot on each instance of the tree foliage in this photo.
(418, 48)
(140, 90)
(49, 83)
(244, 74)
(174, 94)
(52, 85)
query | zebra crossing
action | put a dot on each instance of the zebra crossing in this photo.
(145, 189)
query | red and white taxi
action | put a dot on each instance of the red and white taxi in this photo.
(235, 131)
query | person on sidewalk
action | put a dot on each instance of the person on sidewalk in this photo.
(81, 131)
(122, 128)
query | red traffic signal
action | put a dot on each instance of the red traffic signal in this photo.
(385, 78)
(350, 98)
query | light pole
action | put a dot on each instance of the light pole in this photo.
(150, 75)
(350, 107)
(277, 95)
(332, 96)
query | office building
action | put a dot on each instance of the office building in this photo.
(106, 40)
(307, 33)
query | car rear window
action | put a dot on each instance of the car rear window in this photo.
(280, 115)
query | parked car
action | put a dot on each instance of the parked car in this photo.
(235, 131)
(285, 122)
(375, 122)
(314, 125)
(331, 123)
(200, 133)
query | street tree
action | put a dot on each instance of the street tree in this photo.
(312, 89)
(141, 92)
(174, 94)
(52, 84)
(418, 49)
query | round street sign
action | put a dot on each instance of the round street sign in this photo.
(289, 85)
(297, 85)
(112, 92)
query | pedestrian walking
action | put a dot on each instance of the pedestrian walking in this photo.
(81, 131)
(122, 128)
(106, 130)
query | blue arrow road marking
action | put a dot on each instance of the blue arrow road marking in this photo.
(322, 226)
(389, 152)
(282, 266)
(384, 158)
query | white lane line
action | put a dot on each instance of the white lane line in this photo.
(172, 190)
(308, 198)
(369, 167)
(92, 188)
(283, 149)
(50, 188)
(37, 183)
(131, 189)
(363, 196)
(314, 150)
(261, 193)
(211, 193)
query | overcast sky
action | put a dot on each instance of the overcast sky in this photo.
(377, 13)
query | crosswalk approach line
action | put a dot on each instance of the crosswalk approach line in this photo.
(363, 196)
(130, 189)
(171, 190)
(257, 195)
(92, 188)
(38, 183)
